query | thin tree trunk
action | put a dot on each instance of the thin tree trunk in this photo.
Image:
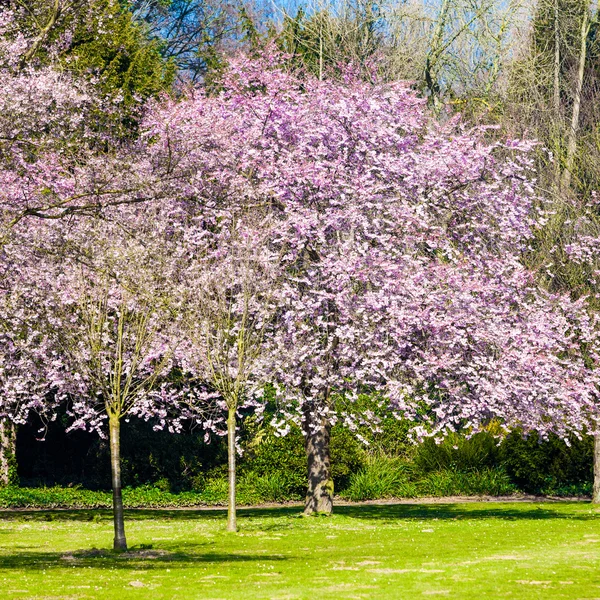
(8, 447)
(317, 432)
(556, 61)
(596, 489)
(434, 52)
(572, 134)
(557, 126)
(114, 425)
(231, 508)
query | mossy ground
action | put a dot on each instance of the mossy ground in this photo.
(464, 550)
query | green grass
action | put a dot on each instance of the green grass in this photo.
(471, 550)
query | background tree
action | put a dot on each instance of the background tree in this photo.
(192, 33)
(99, 41)
(322, 37)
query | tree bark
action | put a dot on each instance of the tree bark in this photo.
(317, 432)
(231, 507)
(8, 447)
(596, 489)
(556, 74)
(114, 425)
(434, 52)
(572, 133)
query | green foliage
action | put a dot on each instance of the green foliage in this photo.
(110, 46)
(484, 482)
(112, 50)
(273, 469)
(548, 467)
(347, 456)
(55, 497)
(385, 477)
(268, 455)
(284, 458)
(270, 487)
(252, 489)
(381, 477)
(457, 453)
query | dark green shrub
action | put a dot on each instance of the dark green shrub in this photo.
(178, 461)
(548, 467)
(270, 487)
(347, 456)
(271, 456)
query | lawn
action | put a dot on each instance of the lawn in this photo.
(468, 550)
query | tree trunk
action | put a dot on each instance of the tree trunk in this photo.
(572, 133)
(557, 125)
(317, 432)
(8, 447)
(114, 425)
(435, 50)
(231, 509)
(596, 490)
(556, 74)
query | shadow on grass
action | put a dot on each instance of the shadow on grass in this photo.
(142, 559)
(372, 512)
(466, 512)
(142, 514)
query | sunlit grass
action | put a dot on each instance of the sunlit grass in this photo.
(471, 550)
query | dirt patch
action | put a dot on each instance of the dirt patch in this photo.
(390, 571)
(145, 553)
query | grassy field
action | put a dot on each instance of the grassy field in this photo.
(468, 550)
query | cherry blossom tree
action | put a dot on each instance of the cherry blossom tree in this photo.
(575, 264)
(55, 161)
(229, 307)
(41, 111)
(399, 244)
(107, 287)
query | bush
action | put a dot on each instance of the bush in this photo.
(270, 487)
(484, 482)
(385, 477)
(458, 453)
(280, 460)
(549, 467)
(178, 461)
(347, 456)
(381, 477)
